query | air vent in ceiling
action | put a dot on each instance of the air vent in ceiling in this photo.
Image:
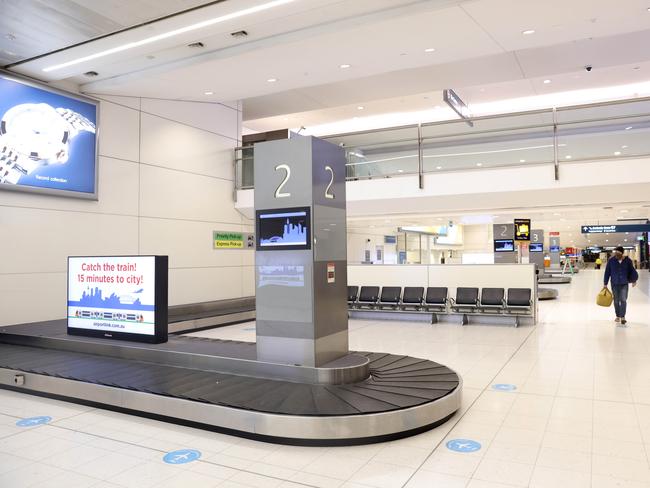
(196, 45)
(241, 33)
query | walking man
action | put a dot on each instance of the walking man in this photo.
(621, 271)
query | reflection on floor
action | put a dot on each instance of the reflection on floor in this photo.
(579, 416)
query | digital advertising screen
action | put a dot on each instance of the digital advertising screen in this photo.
(48, 140)
(119, 297)
(504, 245)
(283, 229)
(555, 248)
(536, 247)
(522, 229)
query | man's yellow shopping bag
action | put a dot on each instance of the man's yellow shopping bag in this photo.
(605, 297)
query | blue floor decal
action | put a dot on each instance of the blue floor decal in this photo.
(182, 456)
(463, 445)
(32, 421)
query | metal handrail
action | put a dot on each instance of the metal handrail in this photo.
(420, 141)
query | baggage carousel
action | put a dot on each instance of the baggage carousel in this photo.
(219, 385)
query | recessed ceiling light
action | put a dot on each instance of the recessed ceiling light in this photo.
(272, 80)
(479, 164)
(429, 50)
(625, 240)
(438, 167)
(166, 35)
(528, 32)
(617, 153)
(624, 210)
(546, 82)
(624, 147)
(400, 171)
(522, 160)
(568, 156)
(345, 66)
(628, 127)
(360, 107)
(557, 214)
(208, 93)
(606, 240)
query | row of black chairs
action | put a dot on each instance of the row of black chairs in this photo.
(437, 299)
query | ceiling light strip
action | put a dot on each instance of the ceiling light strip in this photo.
(167, 35)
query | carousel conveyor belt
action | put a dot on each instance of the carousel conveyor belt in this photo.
(193, 316)
(396, 382)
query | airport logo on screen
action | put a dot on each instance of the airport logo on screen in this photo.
(47, 140)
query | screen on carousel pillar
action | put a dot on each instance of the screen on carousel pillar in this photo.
(119, 297)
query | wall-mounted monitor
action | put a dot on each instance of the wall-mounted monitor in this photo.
(555, 248)
(283, 229)
(536, 247)
(504, 245)
(390, 239)
(522, 229)
(48, 139)
(118, 297)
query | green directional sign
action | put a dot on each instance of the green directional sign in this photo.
(233, 240)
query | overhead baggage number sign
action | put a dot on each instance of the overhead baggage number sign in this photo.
(611, 229)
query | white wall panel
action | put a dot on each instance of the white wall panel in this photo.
(387, 275)
(190, 285)
(188, 244)
(177, 146)
(248, 284)
(39, 232)
(41, 240)
(118, 130)
(118, 192)
(213, 117)
(175, 194)
(30, 298)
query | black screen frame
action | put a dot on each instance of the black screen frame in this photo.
(293, 247)
(161, 311)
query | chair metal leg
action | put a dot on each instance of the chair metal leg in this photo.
(434, 318)
(465, 320)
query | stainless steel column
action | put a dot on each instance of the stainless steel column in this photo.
(304, 324)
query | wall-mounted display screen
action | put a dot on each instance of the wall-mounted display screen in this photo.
(283, 229)
(48, 140)
(390, 239)
(522, 229)
(536, 247)
(555, 248)
(119, 297)
(504, 245)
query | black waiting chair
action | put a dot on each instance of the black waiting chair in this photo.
(492, 299)
(390, 296)
(412, 297)
(466, 299)
(368, 296)
(519, 300)
(436, 298)
(353, 293)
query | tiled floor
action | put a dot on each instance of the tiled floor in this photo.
(580, 416)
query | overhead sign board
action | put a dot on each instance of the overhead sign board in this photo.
(233, 240)
(452, 99)
(611, 229)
